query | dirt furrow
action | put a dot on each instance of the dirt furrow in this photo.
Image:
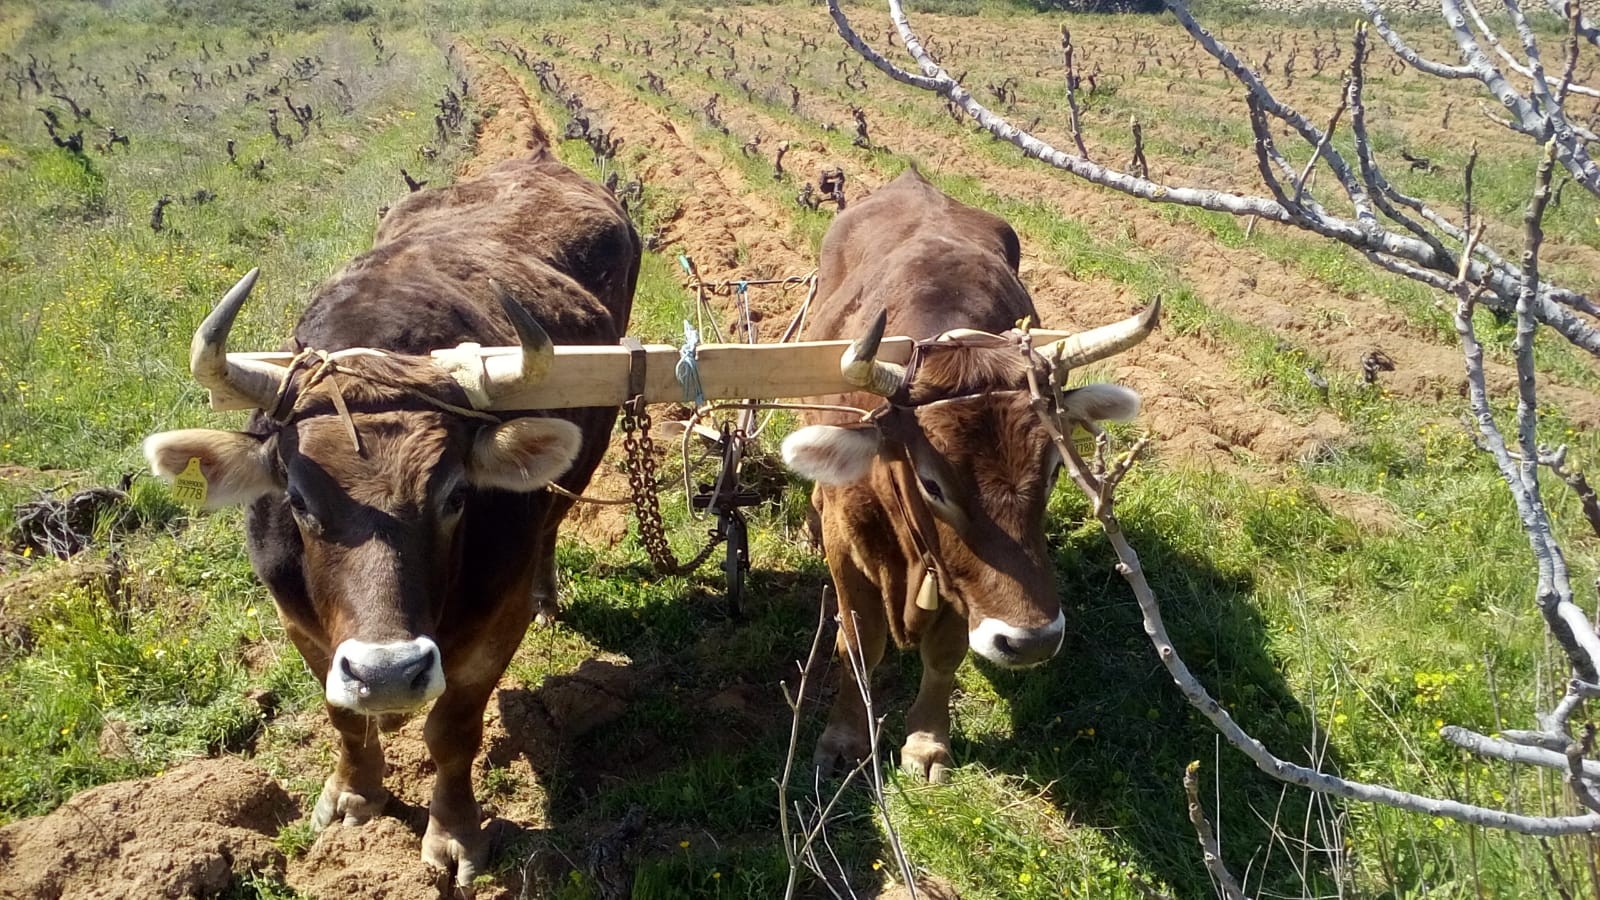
(516, 126)
(1239, 282)
(1192, 404)
(730, 232)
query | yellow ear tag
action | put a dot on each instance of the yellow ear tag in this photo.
(928, 593)
(189, 486)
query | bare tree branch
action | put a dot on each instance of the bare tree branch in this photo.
(1525, 71)
(1069, 62)
(1483, 745)
(1210, 849)
(1527, 116)
(1365, 233)
(1403, 50)
(1102, 503)
(1475, 273)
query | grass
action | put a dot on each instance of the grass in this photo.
(1342, 607)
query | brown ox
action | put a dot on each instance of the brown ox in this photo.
(402, 533)
(940, 498)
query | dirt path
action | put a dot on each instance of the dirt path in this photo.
(729, 231)
(516, 127)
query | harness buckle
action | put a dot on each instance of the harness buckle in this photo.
(636, 373)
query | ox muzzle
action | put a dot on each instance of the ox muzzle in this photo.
(1017, 648)
(385, 678)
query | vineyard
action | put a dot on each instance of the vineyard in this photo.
(1337, 560)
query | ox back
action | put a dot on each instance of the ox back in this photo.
(932, 514)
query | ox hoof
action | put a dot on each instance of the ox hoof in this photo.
(545, 612)
(927, 759)
(338, 804)
(463, 855)
(838, 750)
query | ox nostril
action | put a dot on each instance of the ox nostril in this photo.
(423, 670)
(399, 675)
(1016, 647)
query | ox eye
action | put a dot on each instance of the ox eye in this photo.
(302, 513)
(456, 500)
(932, 489)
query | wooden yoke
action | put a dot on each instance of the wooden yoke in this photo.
(586, 375)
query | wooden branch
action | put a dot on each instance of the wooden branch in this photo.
(1266, 153)
(1576, 783)
(1322, 146)
(883, 65)
(1541, 82)
(1567, 623)
(1527, 117)
(1280, 769)
(1483, 745)
(1573, 45)
(1581, 24)
(1102, 505)
(1364, 233)
(1210, 849)
(1069, 63)
(1375, 15)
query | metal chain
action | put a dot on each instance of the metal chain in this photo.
(639, 448)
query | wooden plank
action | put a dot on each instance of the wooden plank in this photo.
(598, 375)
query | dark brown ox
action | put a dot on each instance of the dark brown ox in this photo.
(408, 541)
(932, 513)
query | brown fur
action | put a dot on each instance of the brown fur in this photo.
(934, 265)
(379, 553)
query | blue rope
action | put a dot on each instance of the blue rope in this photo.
(688, 369)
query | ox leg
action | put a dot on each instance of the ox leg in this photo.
(863, 633)
(814, 519)
(926, 753)
(455, 732)
(354, 792)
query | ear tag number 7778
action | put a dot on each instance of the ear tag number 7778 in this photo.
(189, 486)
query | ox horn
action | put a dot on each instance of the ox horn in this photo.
(255, 383)
(538, 351)
(1099, 343)
(860, 367)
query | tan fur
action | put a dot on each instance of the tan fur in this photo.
(523, 454)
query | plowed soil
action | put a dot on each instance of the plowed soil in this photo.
(194, 830)
(189, 833)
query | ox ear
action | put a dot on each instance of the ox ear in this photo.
(523, 454)
(237, 466)
(832, 454)
(1098, 402)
